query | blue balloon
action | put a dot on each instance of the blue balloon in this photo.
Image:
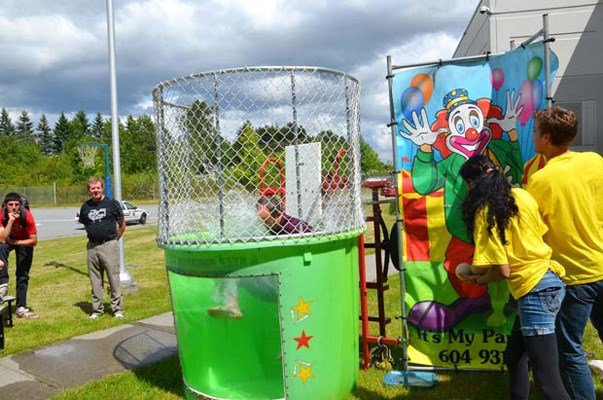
(537, 93)
(412, 100)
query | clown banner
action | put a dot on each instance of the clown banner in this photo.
(444, 114)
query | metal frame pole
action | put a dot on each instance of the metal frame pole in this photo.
(398, 226)
(296, 142)
(124, 277)
(218, 137)
(547, 59)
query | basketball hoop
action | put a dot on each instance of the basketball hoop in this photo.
(87, 154)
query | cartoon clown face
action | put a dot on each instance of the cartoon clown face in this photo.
(467, 134)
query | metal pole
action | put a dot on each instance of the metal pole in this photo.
(218, 137)
(124, 276)
(352, 154)
(398, 226)
(109, 190)
(164, 214)
(441, 62)
(547, 60)
(532, 38)
(296, 136)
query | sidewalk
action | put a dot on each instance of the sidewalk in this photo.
(43, 373)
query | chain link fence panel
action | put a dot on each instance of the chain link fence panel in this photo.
(286, 135)
(34, 195)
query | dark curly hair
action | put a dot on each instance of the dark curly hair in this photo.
(488, 186)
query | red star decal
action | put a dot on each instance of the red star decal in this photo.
(303, 340)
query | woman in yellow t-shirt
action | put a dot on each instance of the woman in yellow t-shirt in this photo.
(507, 232)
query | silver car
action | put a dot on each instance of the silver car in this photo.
(132, 214)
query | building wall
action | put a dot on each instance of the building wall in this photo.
(577, 26)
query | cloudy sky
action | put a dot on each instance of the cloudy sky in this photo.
(54, 54)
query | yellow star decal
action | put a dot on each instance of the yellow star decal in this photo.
(305, 373)
(302, 308)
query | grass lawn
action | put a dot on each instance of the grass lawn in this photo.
(59, 289)
(60, 293)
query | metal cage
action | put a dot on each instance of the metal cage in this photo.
(228, 137)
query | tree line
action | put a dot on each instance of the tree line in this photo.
(41, 154)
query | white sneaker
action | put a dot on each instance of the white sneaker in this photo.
(95, 315)
(3, 291)
(24, 312)
(118, 314)
(225, 312)
(597, 367)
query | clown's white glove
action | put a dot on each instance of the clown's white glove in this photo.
(421, 133)
(509, 121)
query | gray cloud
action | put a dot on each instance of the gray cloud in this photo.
(55, 53)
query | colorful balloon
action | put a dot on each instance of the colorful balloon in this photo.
(497, 78)
(534, 68)
(412, 100)
(424, 83)
(537, 93)
(526, 101)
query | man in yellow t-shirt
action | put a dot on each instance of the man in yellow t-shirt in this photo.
(569, 192)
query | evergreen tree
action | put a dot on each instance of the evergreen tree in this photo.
(79, 126)
(200, 136)
(146, 144)
(61, 134)
(268, 135)
(138, 136)
(98, 127)
(24, 131)
(45, 136)
(6, 124)
(251, 157)
(285, 136)
(107, 135)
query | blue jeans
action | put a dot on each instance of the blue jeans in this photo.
(580, 302)
(534, 338)
(537, 309)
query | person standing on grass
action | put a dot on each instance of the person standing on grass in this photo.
(569, 193)
(19, 233)
(507, 231)
(103, 220)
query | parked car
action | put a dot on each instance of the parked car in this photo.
(132, 213)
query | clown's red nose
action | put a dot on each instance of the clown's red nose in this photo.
(471, 134)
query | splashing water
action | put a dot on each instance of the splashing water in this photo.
(237, 220)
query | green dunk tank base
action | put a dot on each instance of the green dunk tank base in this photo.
(294, 334)
(260, 212)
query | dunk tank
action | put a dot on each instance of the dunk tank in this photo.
(261, 312)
